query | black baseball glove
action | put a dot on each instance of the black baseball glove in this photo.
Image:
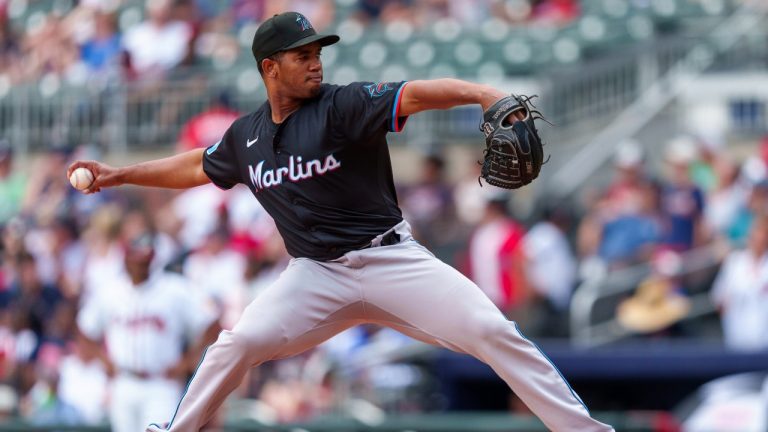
(513, 155)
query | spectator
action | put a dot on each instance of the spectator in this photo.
(659, 302)
(29, 297)
(682, 202)
(83, 385)
(741, 292)
(624, 196)
(12, 184)
(157, 45)
(726, 200)
(319, 12)
(384, 11)
(48, 194)
(630, 238)
(558, 12)
(468, 197)
(248, 11)
(204, 129)
(263, 265)
(467, 12)
(102, 52)
(428, 205)
(197, 212)
(497, 258)
(215, 269)
(551, 270)
(10, 52)
(756, 205)
(105, 256)
(49, 49)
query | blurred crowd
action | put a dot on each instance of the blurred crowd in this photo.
(62, 249)
(63, 253)
(97, 42)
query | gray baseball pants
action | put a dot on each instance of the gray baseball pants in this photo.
(402, 286)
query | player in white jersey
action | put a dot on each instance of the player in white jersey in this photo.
(153, 330)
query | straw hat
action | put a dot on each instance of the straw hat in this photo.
(654, 307)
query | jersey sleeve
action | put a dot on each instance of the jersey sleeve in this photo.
(363, 108)
(220, 162)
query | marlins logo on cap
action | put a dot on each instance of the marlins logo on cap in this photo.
(303, 22)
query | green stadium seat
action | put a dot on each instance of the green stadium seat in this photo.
(421, 53)
(615, 8)
(330, 55)
(494, 30)
(249, 81)
(245, 34)
(398, 32)
(517, 51)
(443, 70)
(446, 30)
(373, 55)
(468, 52)
(592, 28)
(639, 27)
(345, 74)
(393, 72)
(350, 31)
(566, 50)
(490, 71)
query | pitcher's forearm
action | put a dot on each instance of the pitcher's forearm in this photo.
(422, 95)
(180, 171)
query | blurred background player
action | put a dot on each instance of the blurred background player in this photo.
(149, 331)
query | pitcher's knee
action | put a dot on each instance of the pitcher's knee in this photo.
(490, 329)
(255, 346)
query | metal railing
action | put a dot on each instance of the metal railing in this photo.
(590, 330)
(738, 36)
(578, 99)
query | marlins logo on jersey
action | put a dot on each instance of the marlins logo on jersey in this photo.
(295, 171)
(377, 89)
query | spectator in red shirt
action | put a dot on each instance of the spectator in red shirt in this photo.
(496, 257)
(204, 129)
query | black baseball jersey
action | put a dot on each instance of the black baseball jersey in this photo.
(324, 173)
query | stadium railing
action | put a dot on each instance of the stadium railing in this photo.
(594, 302)
(563, 64)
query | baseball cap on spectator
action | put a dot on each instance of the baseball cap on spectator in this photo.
(629, 154)
(286, 31)
(682, 151)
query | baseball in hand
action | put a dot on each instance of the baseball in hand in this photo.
(81, 178)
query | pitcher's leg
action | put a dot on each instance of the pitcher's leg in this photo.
(305, 306)
(418, 291)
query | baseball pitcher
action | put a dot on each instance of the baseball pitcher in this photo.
(315, 156)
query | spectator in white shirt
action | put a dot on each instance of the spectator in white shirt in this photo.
(158, 44)
(741, 292)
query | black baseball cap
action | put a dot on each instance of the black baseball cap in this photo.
(286, 31)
